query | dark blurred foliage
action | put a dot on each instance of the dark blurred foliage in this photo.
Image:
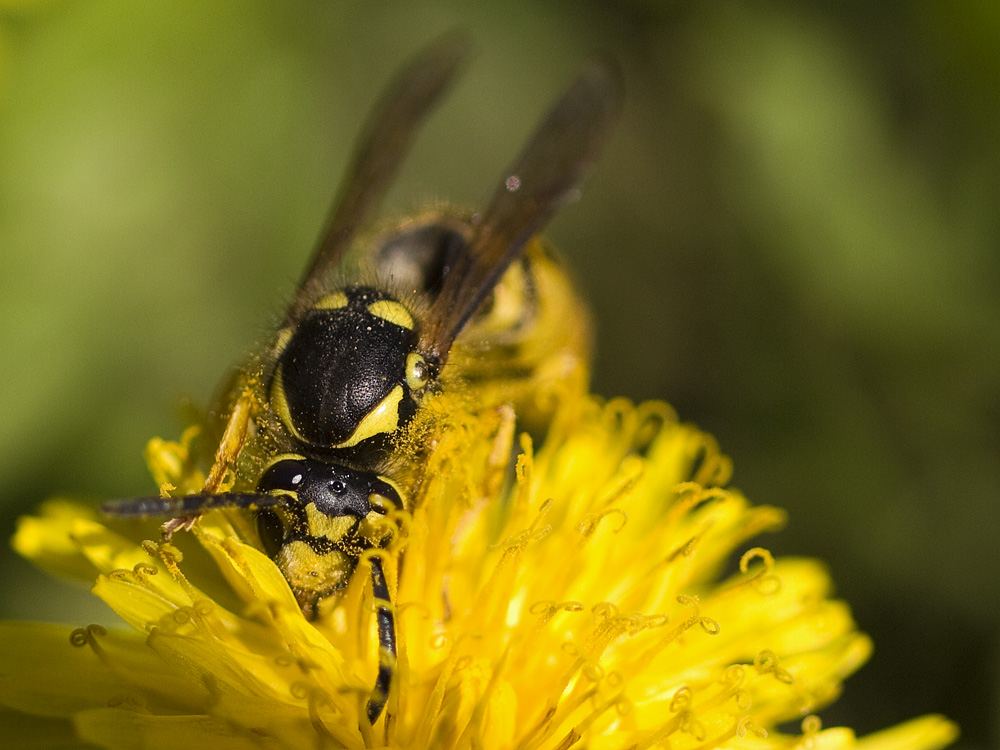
(793, 238)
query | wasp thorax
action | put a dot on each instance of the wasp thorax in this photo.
(348, 370)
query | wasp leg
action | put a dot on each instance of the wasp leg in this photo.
(231, 444)
(386, 641)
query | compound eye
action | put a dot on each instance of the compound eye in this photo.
(417, 372)
(270, 530)
(284, 474)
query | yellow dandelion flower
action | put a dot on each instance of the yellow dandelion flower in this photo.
(591, 601)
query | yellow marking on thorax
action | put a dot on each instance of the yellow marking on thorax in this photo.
(392, 311)
(279, 402)
(332, 301)
(383, 418)
(282, 339)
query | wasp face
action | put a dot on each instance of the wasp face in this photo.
(321, 491)
(348, 372)
(328, 516)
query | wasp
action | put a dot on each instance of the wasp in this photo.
(322, 431)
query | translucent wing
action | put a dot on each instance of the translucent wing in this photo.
(544, 177)
(386, 138)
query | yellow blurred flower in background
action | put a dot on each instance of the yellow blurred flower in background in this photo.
(605, 597)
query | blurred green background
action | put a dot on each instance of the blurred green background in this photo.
(793, 238)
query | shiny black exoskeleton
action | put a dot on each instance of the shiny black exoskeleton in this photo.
(348, 372)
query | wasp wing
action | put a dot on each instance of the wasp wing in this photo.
(188, 505)
(386, 138)
(542, 179)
